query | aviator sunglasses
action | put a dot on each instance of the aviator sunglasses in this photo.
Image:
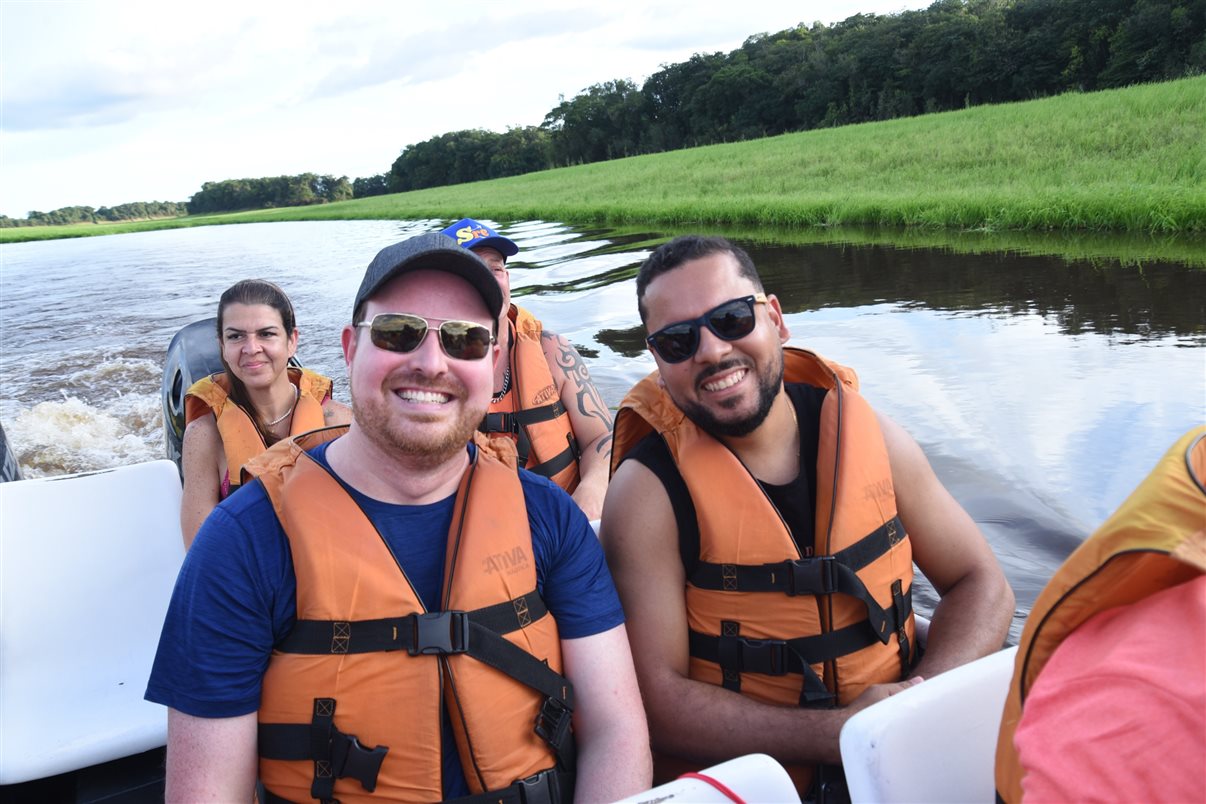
(730, 321)
(403, 332)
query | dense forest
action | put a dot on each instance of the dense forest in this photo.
(951, 55)
(954, 54)
(271, 191)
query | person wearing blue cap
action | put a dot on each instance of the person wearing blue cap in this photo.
(543, 395)
(389, 610)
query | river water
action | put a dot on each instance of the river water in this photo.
(1043, 390)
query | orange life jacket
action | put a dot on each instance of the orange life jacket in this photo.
(1155, 540)
(352, 698)
(799, 627)
(241, 439)
(531, 412)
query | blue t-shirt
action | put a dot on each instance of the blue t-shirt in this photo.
(235, 596)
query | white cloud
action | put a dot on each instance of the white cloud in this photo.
(104, 103)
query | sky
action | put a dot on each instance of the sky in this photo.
(108, 102)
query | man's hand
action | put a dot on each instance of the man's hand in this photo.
(878, 692)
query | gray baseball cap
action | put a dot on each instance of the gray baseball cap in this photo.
(430, 251)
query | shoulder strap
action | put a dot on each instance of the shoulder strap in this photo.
(313, 385)
(206, 395)
(476, 633)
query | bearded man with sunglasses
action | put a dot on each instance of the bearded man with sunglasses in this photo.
(763, 534)
(544, 398)
(391, 610)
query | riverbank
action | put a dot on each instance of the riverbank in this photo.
(1126, 161)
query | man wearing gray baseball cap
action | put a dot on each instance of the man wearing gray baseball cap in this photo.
(391, 606)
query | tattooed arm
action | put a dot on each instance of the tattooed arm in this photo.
(589, 418)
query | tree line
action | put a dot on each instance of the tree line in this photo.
(270, 191)
(953, 54)
(214, 196)
(137, 211)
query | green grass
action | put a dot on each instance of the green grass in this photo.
(1121, 161)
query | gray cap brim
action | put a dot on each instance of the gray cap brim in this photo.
(431, 251)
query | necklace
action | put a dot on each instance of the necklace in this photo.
(506, 386)
(289, 412)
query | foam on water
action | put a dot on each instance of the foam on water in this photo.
(117, 371)
(57, 438)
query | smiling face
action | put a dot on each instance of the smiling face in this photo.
(255, 344)
(726, 387)
(421, 403)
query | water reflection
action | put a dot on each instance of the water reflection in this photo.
(1141, 303)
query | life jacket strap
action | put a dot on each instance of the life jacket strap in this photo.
(335, 755)
(814, 694)
(902, 603)
(567, 457)
(815, 575)
(805, 576)
(778, 657)
(516, 424)
(736, 654)
(477, 633)
(553, 720)
(552, 786)
(443, 632)
(512, 422)
(731, 665)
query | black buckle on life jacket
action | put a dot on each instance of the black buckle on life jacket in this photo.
(552, 786)
(553, 723)
(766, 656)
(440, 633)
(541, 788)
(813, 576)
(499, 423)
(744, 655)
(351, 759)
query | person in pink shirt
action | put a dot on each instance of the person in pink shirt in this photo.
(1119, 712)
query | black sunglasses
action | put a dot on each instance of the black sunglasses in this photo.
(730, 321)
(403, 332)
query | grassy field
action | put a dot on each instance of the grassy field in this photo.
(1122, 161)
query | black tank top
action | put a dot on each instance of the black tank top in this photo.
(794, 500)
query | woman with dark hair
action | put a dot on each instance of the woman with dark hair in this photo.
(233, 416)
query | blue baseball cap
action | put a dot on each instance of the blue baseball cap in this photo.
(471, 234)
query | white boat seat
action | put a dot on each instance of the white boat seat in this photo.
(935, 742)
(89, 562)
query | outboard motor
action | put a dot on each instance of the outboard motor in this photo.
(192, 354)
(9, 468)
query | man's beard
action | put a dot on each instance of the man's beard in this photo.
(395, 435)
(768, 384)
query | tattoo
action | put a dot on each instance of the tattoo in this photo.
(590, 403)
